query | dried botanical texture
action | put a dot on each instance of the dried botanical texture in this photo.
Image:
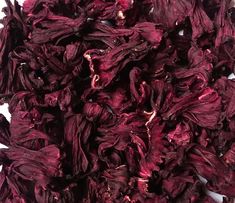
(198, 76)
(117, 101)
(77, 133)
(224, 24)
(220, 178)
(203, 108)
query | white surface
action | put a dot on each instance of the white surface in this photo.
(4, 111)
(231, 76)
(2, 4)
(217, 197)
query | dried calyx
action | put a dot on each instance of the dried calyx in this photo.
(117, 101)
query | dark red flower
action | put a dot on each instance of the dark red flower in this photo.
(117, 101)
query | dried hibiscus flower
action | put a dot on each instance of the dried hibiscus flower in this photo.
(117, 101)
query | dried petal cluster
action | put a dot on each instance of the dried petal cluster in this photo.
(117, 101)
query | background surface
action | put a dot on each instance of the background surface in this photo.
(4, 108)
